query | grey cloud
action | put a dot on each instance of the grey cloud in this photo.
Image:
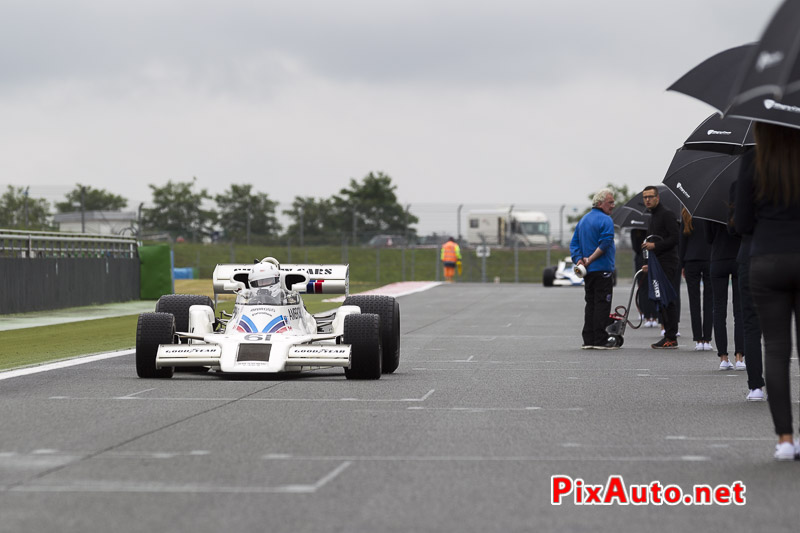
(441, 41)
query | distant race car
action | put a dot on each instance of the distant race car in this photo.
(270, 330)
(563, 275)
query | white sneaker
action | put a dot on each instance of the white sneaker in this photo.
(699, 346)
(785, 451)
(725, 365)
(707, 346)
(756, 395)
(740, 365)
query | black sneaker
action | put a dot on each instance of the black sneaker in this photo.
(610, 345)
(665, 344)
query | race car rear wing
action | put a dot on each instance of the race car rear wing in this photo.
(307, 279)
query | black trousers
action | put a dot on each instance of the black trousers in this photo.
(670, 316)
(701, 310)
(721, 272)
(599, 287)
(752, 330)
(775, 284)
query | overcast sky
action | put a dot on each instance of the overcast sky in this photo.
(464, 101)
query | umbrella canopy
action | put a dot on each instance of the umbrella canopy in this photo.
(702, 180)
(771, 70)
(717, 134)
(759, 81)
(627, 217)
(711, 80)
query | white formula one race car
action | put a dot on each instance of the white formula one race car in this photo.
(561, 275)
(270, 330)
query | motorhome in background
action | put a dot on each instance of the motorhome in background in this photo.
(504, 227)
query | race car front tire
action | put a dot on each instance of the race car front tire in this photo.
(153, 329)
(388, 310)
(179, 304)
(362, 333)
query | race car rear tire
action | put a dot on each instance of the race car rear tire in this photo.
(178, 305)
(362, 333)
(548, 276)
(388, 310)
(153, 329)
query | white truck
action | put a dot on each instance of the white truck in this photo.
(504, 227)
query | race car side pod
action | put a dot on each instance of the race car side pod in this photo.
(616, 330)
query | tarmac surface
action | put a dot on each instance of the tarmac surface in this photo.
(493, 397)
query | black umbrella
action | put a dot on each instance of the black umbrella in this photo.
(771, 70)
(711, 80)
(717, 134)
(760, 81)
(702, 181)
(627, 217)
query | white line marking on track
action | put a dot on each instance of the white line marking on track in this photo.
(489, 409)
(134, 394)
(478, 458)
(62, 364)
(189, 488)
(684, 437)
(166, 399)
(427, 395)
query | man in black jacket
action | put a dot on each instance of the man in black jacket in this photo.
(664, 223)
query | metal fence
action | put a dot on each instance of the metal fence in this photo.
(46, 270)
(39, 244)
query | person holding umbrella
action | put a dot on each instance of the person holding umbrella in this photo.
(768, 207)
(664, 224)
(695, 256)
(725, 273)
(592, 247)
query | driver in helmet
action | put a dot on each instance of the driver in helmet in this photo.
(265, 285)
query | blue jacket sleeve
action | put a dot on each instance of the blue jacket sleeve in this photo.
(606, 240)
(575, 245)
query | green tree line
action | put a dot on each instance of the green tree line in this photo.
(184, 211)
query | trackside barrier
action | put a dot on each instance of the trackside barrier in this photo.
(41, 271)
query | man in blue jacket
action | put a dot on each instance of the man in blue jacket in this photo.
(593, 247)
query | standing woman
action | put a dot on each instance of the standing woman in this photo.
(768, 206)
(724, 273)
(695, 254)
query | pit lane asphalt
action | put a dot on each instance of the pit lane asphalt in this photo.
(493, 397)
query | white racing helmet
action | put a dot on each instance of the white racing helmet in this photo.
(264, 275)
